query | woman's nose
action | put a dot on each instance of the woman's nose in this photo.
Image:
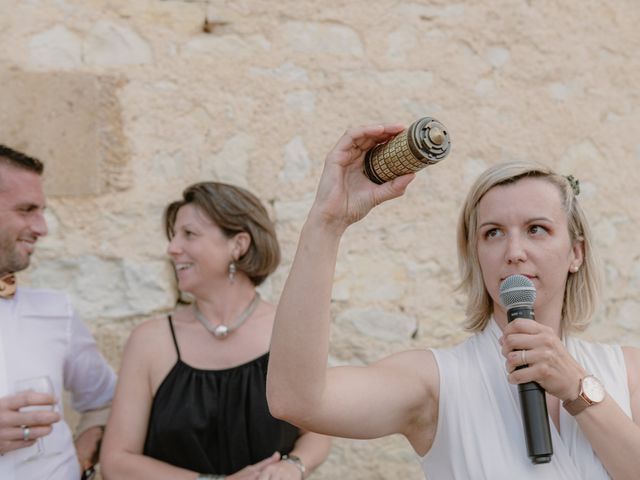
(173, 248)
(516, 251)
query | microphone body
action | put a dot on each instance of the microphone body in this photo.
(424, 143)
(533, 404)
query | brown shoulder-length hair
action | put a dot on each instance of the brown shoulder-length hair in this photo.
(233, 209)
(582, 287)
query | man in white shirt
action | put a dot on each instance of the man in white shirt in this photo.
(41, 335)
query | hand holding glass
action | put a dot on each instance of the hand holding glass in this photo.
(41, 384)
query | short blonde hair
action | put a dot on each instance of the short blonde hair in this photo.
(234, 210)
(582, 287)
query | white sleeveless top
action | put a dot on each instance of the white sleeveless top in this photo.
(480, 433)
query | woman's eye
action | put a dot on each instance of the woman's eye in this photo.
(537, 229)
(492, 233)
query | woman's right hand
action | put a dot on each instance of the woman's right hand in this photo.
(345, 195)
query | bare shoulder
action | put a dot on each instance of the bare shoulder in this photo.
(631, 353)
(149, 353)
(150, 330)
(149, 338)
(422, 362)
(420, 368)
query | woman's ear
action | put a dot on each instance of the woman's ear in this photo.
(578, 256)
(241, 243)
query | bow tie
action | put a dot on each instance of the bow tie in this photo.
(7, 285)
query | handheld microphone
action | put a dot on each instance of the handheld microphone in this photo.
(424, 143)
(517, 294)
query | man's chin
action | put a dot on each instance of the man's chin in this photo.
(18, 264)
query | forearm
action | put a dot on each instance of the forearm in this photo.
(89, 434)
(300, 342)
(312, 449)
(88, 446)
(123, 465)
(614, 437)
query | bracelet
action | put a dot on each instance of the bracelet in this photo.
(295, 460)
(88, 473)
(207, 476)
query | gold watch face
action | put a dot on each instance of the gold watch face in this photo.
(592, 389)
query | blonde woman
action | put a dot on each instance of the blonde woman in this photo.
(459, 407)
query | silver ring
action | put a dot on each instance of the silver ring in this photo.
(523, 354)
(26, 431)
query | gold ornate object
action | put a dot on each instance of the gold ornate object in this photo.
(436, 136)
(424, 143)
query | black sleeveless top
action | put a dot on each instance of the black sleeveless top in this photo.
(215, 421)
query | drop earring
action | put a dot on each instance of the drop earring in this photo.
(232, 271)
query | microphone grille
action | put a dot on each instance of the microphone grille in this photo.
(517, 290)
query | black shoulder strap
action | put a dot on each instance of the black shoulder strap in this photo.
(173, 334)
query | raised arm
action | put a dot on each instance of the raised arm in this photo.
(396, 395)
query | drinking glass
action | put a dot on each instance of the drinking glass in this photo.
(42, 384)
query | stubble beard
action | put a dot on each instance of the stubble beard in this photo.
(10, 259)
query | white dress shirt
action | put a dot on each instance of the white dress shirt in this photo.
(40, 334)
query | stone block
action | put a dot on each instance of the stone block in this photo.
(113, 44)
(322, 38)
(58, 47)
(72, 122)
(387, 326)
(231, 163)
(109, 288)
(297, 162)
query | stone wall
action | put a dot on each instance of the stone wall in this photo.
(130, 101)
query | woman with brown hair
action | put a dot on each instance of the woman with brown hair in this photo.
(191, 402)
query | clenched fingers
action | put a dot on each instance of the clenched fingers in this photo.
(14, 438)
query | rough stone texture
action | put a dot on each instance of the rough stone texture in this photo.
(260, 98)
(77, 120)
(110, 288)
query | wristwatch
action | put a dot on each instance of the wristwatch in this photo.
(296, 461)
(591, 392)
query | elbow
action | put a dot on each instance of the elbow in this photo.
(283, 406)
(281, 412)
(277, 404)
(293, 400)
(106, 468)
(109, 466)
